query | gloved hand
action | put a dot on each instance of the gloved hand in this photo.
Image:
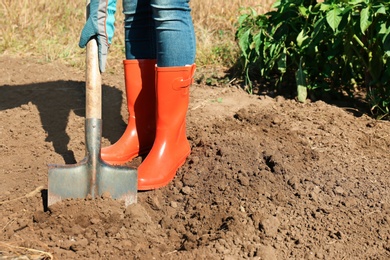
(100, 23)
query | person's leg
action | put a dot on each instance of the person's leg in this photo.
(175, 37)
(174, 72)
(140, 33)
(139, 71)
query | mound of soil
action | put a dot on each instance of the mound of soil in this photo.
(268, 178)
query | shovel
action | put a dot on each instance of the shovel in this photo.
(91, 176)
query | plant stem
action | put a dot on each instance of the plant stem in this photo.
(360, 43)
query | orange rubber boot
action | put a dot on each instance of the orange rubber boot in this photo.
(171, 147)
(139, 135)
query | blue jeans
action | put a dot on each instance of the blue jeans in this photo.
(159, 29)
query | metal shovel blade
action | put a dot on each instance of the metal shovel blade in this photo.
(92, 176)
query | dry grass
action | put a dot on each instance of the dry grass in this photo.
(11, 251)
(214, 23)
(49, 30)
(46, 30)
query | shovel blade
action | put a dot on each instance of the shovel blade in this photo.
(119, 181)
(79, 180)
(68, 181)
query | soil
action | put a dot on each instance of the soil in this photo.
(268, 177)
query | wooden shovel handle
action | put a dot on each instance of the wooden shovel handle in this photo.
(93, 103)
(93, 81)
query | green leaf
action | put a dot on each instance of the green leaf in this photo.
(381, 10)
(324, 7)
(333, 17)
(253, 12)
(355, 2)
(365, 19)
(300, 78)
(303, 11)
(301, 37)
(383, 29)
(242, 18)
(258, 42)
(276, 4)
(244, 41)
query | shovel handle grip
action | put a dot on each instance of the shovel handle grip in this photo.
(93, 101)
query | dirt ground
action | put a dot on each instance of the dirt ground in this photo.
(268, 178)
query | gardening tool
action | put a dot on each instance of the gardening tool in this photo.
(92, 176)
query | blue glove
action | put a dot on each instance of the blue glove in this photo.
(100, 24)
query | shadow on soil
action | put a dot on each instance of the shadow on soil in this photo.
(55, 100)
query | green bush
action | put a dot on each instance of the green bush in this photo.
(329, 46)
